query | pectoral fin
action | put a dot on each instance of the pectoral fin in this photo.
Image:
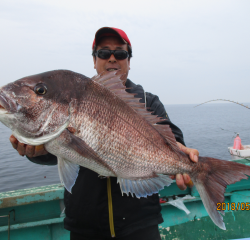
(82, 148)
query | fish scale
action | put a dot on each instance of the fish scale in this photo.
(121, 145)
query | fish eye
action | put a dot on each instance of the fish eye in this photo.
(40, 89)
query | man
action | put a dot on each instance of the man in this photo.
(96, 208)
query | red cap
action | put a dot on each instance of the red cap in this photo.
(111, 31)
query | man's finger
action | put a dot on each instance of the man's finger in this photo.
(40, 150)
(187, 180)
(193, 153)
(180, 182)
(21, 148)
(182, 147)
(30, 150)
(13, 141)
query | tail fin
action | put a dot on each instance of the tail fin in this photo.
(212, 181)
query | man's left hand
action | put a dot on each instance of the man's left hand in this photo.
(184, 181)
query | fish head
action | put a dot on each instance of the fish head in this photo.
(38, 106)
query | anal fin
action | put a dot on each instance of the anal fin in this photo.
(144, 187)
(68, 173)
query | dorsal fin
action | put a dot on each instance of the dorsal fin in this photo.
(113, 82)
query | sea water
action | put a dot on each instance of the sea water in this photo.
(210, 128)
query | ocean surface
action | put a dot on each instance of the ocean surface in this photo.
(210, 128)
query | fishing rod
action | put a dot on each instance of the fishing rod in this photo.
(225, 101)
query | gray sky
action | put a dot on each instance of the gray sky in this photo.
(184, 51)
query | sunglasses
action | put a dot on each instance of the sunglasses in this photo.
(118, 54)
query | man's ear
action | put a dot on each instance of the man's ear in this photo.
(94, 59)
(129, 64)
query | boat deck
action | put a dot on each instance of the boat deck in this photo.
(37, 213)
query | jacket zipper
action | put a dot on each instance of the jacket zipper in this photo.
(110, 206)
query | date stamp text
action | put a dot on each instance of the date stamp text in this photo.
(243, 206)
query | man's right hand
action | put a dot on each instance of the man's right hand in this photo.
(28, 150)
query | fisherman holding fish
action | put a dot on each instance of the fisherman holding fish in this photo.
(96, 208)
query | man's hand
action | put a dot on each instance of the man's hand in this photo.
(182, 181)
(28, 150)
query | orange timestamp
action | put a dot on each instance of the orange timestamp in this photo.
(243, 206)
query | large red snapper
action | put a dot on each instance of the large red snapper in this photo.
(95, 123)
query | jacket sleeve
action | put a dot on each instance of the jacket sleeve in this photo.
(155, 105)
(48, 159)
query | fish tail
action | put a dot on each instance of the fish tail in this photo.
(212, 180)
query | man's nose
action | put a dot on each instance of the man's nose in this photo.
(112, 58)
